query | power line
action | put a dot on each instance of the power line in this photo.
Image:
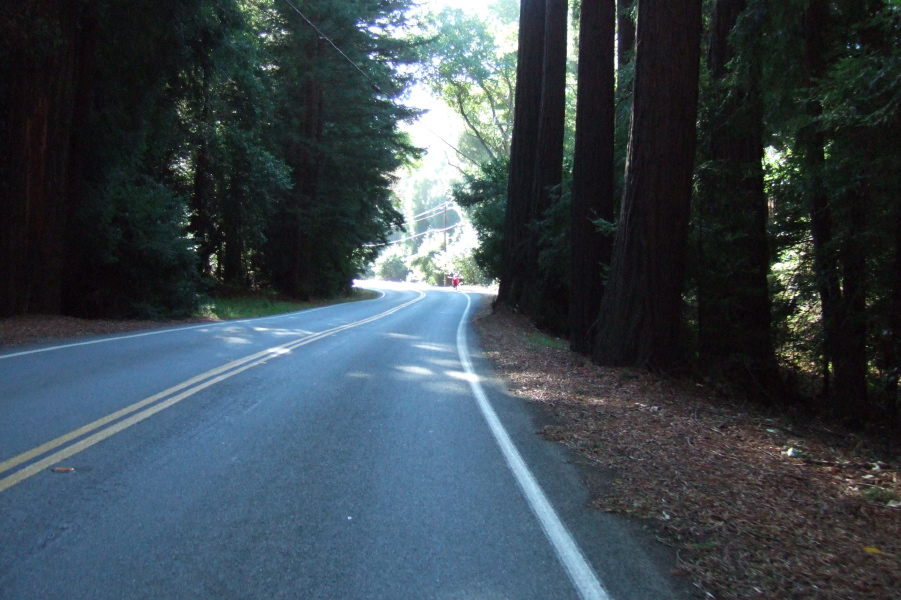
(431, 210)
(425, 218)
(454, 148)
(322, 36)
(406, 239)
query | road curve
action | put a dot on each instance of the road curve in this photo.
(361, 450)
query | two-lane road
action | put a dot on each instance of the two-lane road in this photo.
(362, 450)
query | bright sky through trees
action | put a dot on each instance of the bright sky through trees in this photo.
(439, 129)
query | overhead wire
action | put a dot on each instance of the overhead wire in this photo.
(322, 36)
(407, 239)
(431, 210)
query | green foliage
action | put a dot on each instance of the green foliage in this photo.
(251, 307)
(249, 304)
(539, 339)
(141, 263)
(392, 267)
(232, 169)
(848, 107)
(222, 137)
(484, 196)
(342, 141)
(128, 253)
(464, 264)
(465, 66)
(863, 88)
(429, 264)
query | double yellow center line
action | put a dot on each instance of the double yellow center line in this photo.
(115, 422)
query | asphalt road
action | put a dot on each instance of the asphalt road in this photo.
(362, 450)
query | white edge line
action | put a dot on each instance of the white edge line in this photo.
(568, 552)
(166, 330)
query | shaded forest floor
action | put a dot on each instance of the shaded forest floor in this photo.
(33, 329)
(756, 504)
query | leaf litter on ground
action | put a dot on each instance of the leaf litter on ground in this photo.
(755, 507)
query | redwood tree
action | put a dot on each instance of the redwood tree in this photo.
(593, 166)
(625, 31)
(547, 300)
(640, 317)
(839, 260)
(37, 113)
(523, 152)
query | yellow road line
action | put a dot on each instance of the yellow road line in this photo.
(26, 456)
(202, 381)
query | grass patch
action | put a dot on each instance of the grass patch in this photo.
(247, 305)
(879, 494)
(545, 340)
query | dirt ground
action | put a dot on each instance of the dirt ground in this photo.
(755, 505)
(32, 329)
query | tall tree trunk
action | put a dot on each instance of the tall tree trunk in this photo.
(233, 271)
(640, 318)
(75, 299)
(733, 297)
(38, 131)
(547, 300)
(850, 358)
(893, 346)
(307, 180)
(593, 171)
(203, 189)
(516, 275)
(812, 142)
(625, 32)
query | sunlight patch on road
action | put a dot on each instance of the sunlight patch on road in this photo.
(359, 375)
(436, 348)
(281, 331)
(415, 370)
(463, 376)
(444, 362)
(233, 340)
(278, 351)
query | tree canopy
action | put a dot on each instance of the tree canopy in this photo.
(246, 143)
(780, 272)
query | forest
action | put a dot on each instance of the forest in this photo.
(153, 152)
(708, 187)
(703, 186)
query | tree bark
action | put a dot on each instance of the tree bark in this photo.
(203, 189)
(233, 271)
(640, 318)
(593, 171)
(547, 300)
(850, 358)
(893, 346)
(38, 131)
(516, 274)
(307, 179)
(625, 32)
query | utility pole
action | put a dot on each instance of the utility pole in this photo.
(445, 240)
